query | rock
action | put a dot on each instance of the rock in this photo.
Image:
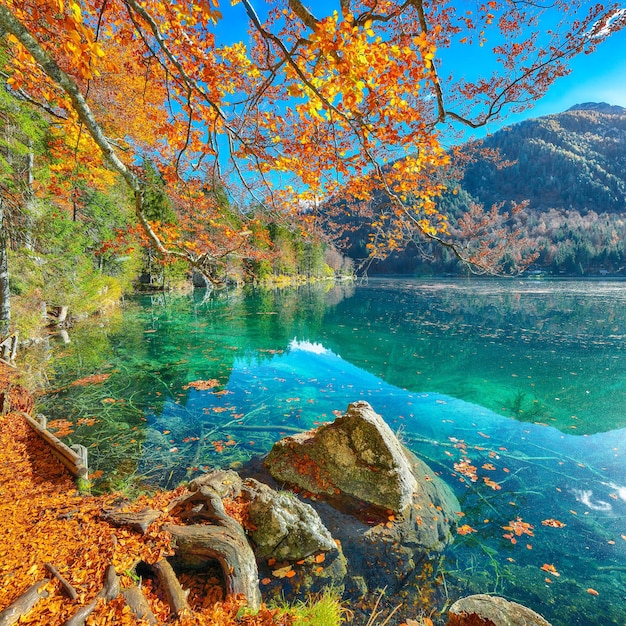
(286, 529)
(486, 610)
(284, 532)
(358, 465)
(387, 508)
(357, 455)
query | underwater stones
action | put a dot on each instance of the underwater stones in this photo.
(286, 529)
(486, 610)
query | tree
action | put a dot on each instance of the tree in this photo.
(5, 293)
(21, 131)
(330, 102)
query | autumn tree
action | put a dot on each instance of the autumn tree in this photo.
(346, 103)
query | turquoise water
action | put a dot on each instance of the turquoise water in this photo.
(522, 380)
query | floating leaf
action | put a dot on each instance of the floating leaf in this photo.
(553, 523)
(547, 567)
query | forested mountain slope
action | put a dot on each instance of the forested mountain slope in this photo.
(570, 167)
(574, 160)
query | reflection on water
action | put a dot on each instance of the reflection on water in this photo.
(482, 380)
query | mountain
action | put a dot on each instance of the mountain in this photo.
(570, 167)
(574, 160)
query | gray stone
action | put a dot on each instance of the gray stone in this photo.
(286, 529)
(387, 508)
(357, 455)
(486, 610)
(357, 463)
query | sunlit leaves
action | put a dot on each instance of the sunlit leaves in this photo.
(331, 102)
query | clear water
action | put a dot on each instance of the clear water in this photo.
(525, 380)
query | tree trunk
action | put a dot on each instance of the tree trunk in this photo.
(5, 296)
(222, 539)
(29, 198)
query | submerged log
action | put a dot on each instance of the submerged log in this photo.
(24, 603)
(223, 540)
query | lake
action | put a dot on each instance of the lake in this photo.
(514, 391)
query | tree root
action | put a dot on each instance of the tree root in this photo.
(138, 604)
(175, 595)
(110, 590)
(69, 590)
(24, 603)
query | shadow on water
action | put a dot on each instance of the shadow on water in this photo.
(190, 384)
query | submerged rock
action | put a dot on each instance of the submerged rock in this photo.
(486, 610)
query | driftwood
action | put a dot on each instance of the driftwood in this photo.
(138, 604)
(67, 587)
(8, 350)
(110, 590)
(136, 520)
(68, 457)
(24, 603)
(223, 540)
(174, 594)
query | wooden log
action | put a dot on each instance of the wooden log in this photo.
(138, 604)
(223, 540)
(8, 350)
(110, 590)
(67, 587)
(139, 520)
(24, 603)
(70, 459)
(174, 593)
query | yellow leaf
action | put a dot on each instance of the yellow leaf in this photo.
(78, 17)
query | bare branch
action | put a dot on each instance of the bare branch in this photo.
(308, 19)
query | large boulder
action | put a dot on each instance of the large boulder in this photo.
(356, 455)
(386, 507)
(486, 610)
(357, 465)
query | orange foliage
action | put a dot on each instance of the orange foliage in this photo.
(352, 103)
(517, 528)
(44, 520)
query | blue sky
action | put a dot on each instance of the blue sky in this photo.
(598, 77)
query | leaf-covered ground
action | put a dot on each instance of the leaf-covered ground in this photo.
(43, 519)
